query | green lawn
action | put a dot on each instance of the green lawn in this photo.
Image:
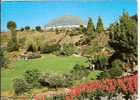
(48, 63)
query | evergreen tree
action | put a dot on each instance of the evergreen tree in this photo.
(90, 26)
(135, 17)
(123, 38)
(38, 28)
(12, 44)
(22, 29)
(27, 28)
(100, 26)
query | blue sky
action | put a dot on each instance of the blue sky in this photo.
(40, 12)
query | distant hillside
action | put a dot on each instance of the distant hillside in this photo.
(65, 20)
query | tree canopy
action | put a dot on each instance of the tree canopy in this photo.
(100, 26)
(90, 26)
(123, 37)
(38, 28)
(11, 25)
(27, 27)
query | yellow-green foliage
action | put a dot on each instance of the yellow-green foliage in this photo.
(97, 44)
(26, 38)
(36, 40)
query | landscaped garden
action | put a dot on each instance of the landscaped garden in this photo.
(87, 62)
(44, 64)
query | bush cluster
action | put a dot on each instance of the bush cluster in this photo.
(68, 80)
(32, 77)
(79, 71)
(111, 73)
(20, 86)
(115, 72)
(68, 49)
(31, 80)
(50, 48)
(101, 62)
(3, 59)
(55, 80)
(57, 49)
(117, 63)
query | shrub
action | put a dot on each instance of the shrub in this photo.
(68, 49)
(38, 28)
(74, 32)
(86, 39)
(57, 31)
(55, 81)
(3, 59)
(79, 71)
(21, 41)
(50, 48)
(34, 55)
(12, 43)
(117, 63)
(34, 41)
(27, 28)
(101, 62)
(104, 74)
(22, 29)
(115, 72)
(52, 80)
(12, 46)
(68, 80)
(20, 86)
(32, 77)
(31, 48)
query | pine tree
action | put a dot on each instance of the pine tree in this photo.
(90, 26)
(100, 26)
(123, 38)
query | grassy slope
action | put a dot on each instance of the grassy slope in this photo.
(49, 36)
(48, 63)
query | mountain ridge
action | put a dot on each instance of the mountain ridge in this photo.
(65, 20)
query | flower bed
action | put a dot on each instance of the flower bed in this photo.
(126, 83)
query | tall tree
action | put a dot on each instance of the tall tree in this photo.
(12, 44)
(90, 26)
(123, 39)
(100, 26)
